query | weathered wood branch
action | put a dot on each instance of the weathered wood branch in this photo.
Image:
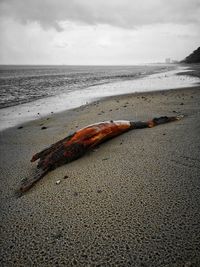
(76, 145)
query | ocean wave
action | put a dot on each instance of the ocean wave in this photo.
(20, 85)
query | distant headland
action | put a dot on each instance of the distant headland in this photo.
(194, 57)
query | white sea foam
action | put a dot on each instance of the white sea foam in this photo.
(16, 115)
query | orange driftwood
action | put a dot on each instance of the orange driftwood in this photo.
(76, 145)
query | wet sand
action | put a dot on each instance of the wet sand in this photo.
(134, 201)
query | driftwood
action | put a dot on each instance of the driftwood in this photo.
(76, 145)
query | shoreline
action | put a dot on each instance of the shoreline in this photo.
(132, 201)
(72, 111)
(16, 115)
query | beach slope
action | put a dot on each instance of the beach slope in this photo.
(134, 201)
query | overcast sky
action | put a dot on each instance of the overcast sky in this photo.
(97, 31)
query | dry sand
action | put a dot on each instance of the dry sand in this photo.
(134, 201)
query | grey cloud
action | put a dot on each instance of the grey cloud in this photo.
(122, 13)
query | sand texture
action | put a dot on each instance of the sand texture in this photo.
(133, 201)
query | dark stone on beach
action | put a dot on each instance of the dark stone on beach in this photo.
(110, 110)
(44, 128)
(181, 103)
(65, 177)
(174, 111)
(38, 113)
(57, 236)
(164, 133)
(99, 191)
(75, 194)
(105, 158)
(20, 127)
(125, 106)
(51, 112)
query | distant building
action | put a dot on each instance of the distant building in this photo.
(167, 60)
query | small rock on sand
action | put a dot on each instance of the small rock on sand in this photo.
(105, 158)
(99, 191)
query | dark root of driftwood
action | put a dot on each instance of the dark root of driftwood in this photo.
(26, 184)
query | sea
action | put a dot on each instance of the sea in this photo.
(22, 84)
(32, 92)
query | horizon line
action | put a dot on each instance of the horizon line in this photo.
(88, 64)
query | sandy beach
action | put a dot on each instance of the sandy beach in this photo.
(134, 201)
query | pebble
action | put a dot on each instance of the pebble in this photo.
(58, 182)
(99, 191)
